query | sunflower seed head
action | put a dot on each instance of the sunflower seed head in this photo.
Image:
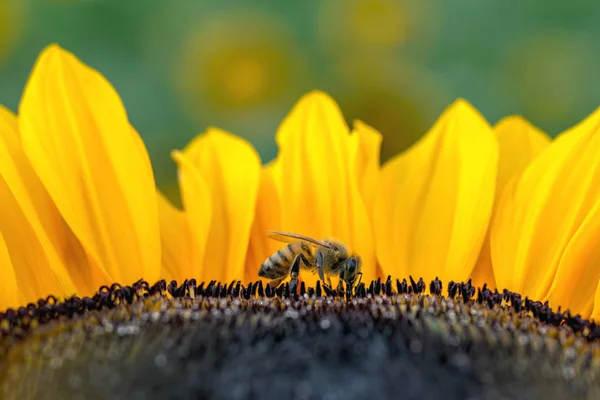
(235, 341)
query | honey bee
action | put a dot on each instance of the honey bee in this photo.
(325, 257)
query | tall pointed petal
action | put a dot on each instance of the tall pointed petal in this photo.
(74, 129)
(316, 174)
(518, 143)
(231, 169)
(267, 216)
(546, 223)
(434, 202)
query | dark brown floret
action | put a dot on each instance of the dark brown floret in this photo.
(237, 341)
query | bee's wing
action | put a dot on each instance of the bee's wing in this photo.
(291, 237)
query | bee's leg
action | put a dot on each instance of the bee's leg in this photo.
(304, 260)
(340, 287)
(295, 270)
(319, 262)
(359, 278)
(320, 266)
(274, 283)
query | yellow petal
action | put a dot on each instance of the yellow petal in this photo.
(483, 273)
(10, 295)
(10, 124)
(546, 216)
(231, 169)
(76, 133)
(434, 201)
(518, 143)
(368, 168)
(197, 204)
(28, 221)
(596, 311)
(63, 250)
(267, 216)
(316, 175)
(578, 274)
(367, 161)
(179, 257)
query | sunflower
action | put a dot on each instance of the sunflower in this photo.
(503, 217)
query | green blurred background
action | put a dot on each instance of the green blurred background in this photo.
(183, 65)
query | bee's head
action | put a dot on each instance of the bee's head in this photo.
(351, 269)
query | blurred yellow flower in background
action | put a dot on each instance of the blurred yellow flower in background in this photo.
(81, 209)
(252, 65)
(548, 73)
(376, 26)
(397, 97)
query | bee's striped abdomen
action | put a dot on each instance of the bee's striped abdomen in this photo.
(279, 264)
